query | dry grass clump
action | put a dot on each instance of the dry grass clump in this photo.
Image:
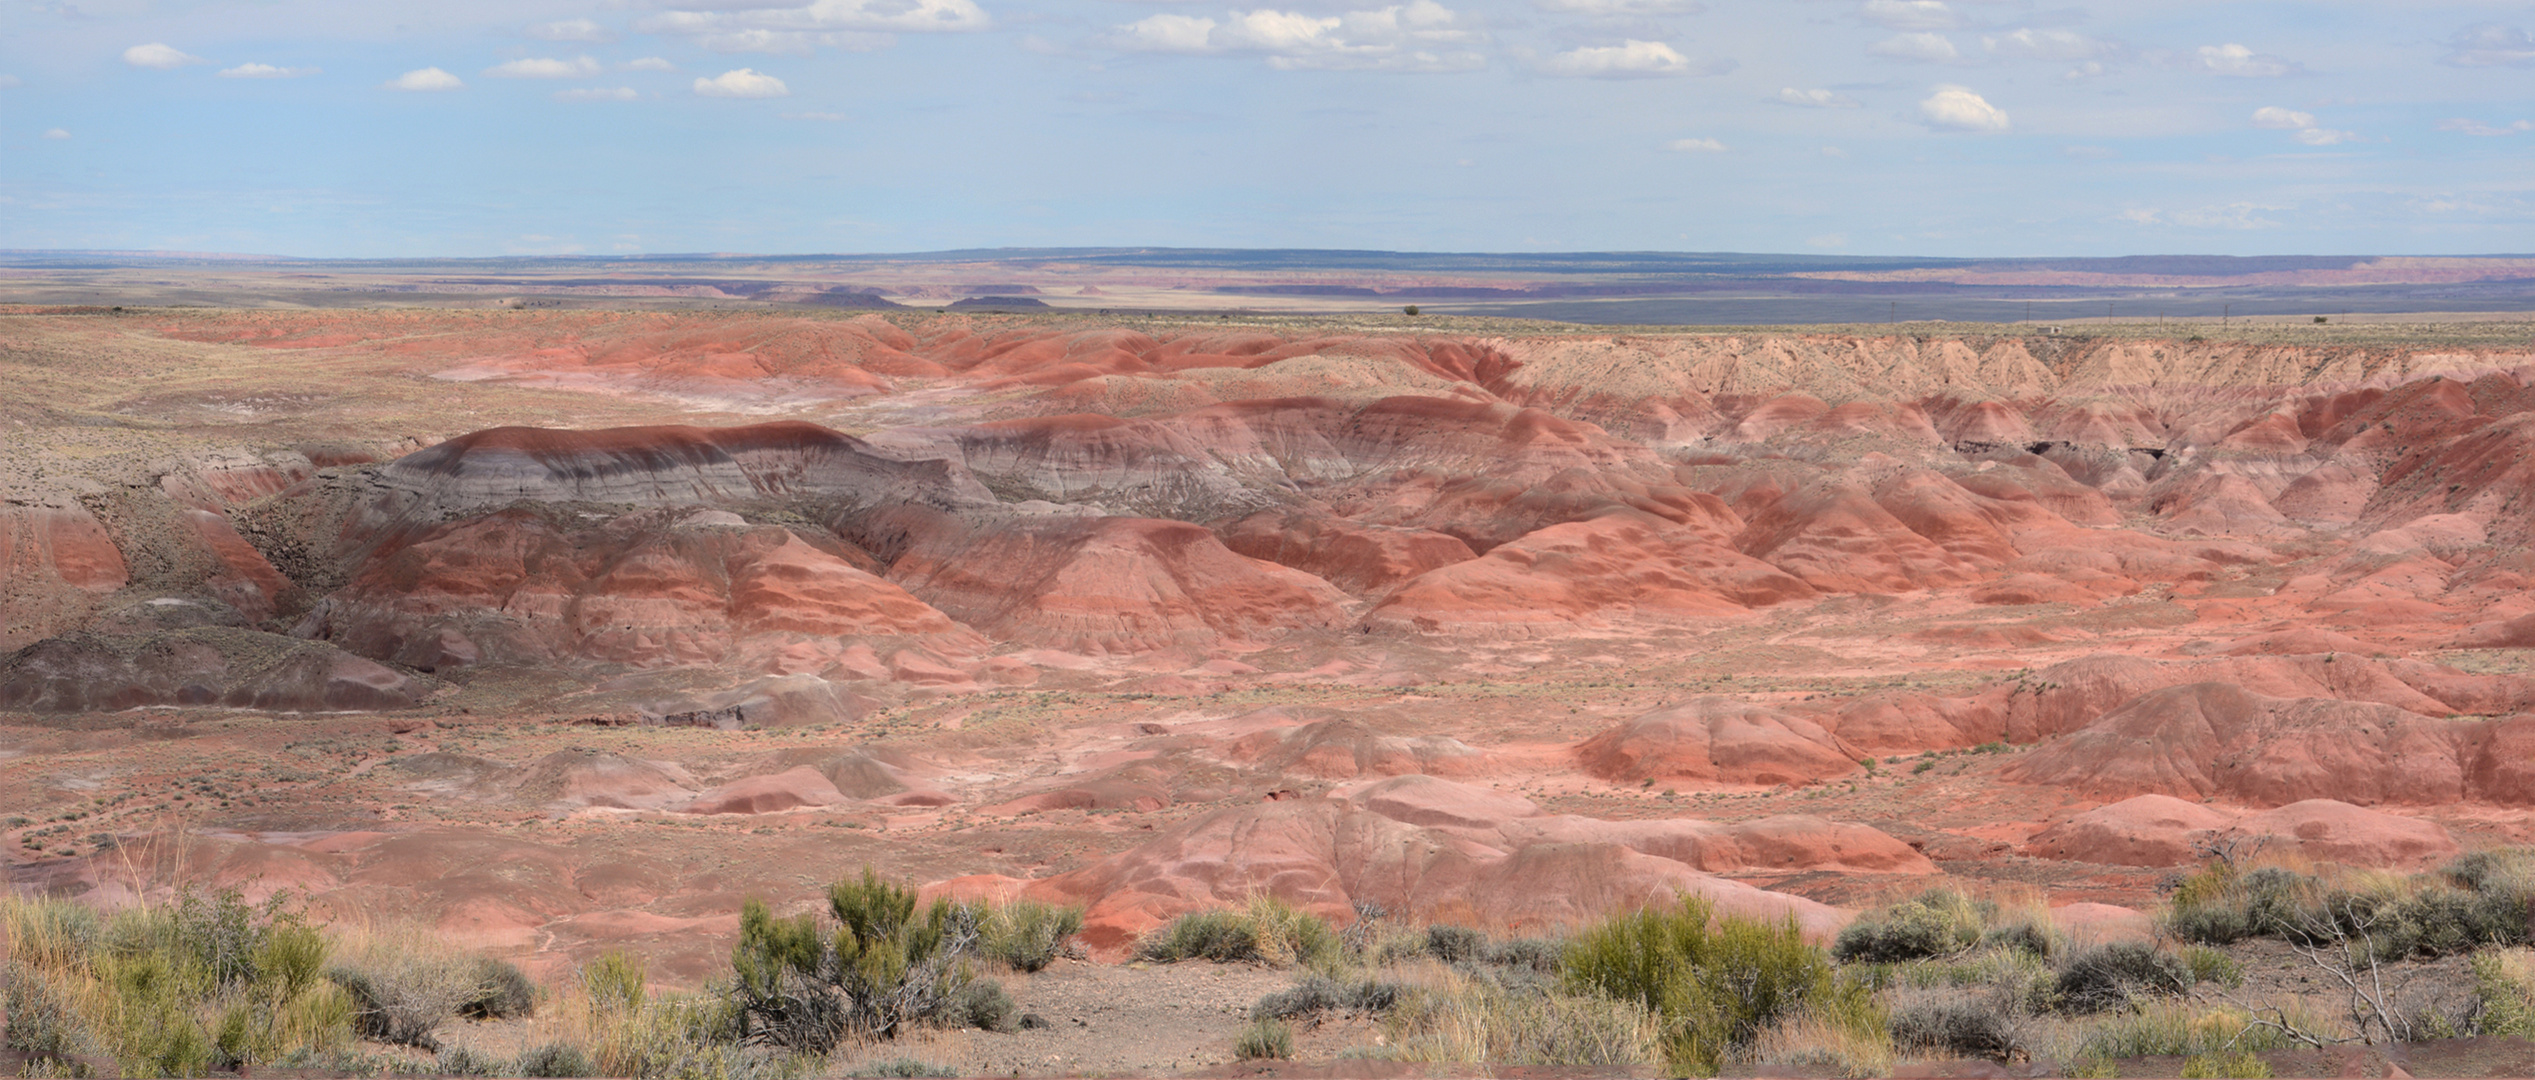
(1266, 930)
(1449, 1015)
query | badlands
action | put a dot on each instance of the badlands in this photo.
(562, 632)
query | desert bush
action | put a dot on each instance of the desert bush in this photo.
(1221, 936)
(1456, 1019)
(1534, 954)
(461, 1061)
(206, 982)
(2504, 985)
(2180, 1028)
(1968, 1022)
(1455, 944)
(1939, 922)
(555, 1061)
(1713, 983)
(403, 986)
(984, 1005)
(2208, 965)
(2229, 1064)
(1266, 930)
(1264, 1039)
(1824, 1044)
(885, 965)
(1027, 935)
(2116, 975)
(903, 1069)
(1315, 994)
(2480, 900)
(501, 991)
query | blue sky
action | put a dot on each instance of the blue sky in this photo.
(1935, 127)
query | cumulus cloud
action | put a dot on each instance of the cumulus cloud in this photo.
(425, 80)
(2273, 116)
(2032, 44)
(162, 57)
(1923, 47)
(2303, 123)
(2463, 126)
(1417, 36)
(2491, 45)
(1608, 9)
(848, 24)
(1816, 99)
(1631, 60)
(1698, 146)
(742, 83)
(597, 93)
(56, 133)
(572, 30)
(650, 63)
(2240, 62)
(267, 71)
(1910, 14)
(581, 67)
(1959, 109)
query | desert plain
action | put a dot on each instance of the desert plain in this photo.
(564, 632)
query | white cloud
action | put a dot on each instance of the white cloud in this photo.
(267, 71)
(1169, 33)
(1910, 14)
(2241, 62)
(2032, 44)
(650, 63)
(580, 67)
(1926, 48)
(56, 133)
(847, 24)
(1827, 240)
(1631, 60)
(1698, 146)
(2089, 153)
(1960, 109)
(2463, 126)
(572, 30)
(425, 79)
(2303, 123)
(822, 117)
(742, 83)
(1403, 37)
(162, 57)
(1620, 8)
(2243, 215)
(1833, 152)
(1816, 99)
(2273, 116)
(8, 82)
(2491, 45)
(598, 93)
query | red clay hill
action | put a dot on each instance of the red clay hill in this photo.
(569, 629)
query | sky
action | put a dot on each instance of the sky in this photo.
(428, 128)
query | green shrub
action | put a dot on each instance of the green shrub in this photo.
(2117, 974)
(1455, 944)
(1267, 930)
(903, 1069)
(616, 982)
(501, 991)
(1224, 937)
(2228, 1064)
(1270, 1040)
(885, 965)
(1970, 1023)
(555, 1061)
(1536, 954)
(1315, 994)
(1027, 935)
(1477, 1021)
(2208, 965)
(1712, 982)
(2503, 982)
(460, 1061)
(1939, 922)
(984, 1005)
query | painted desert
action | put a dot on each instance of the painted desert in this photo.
(1271, 695)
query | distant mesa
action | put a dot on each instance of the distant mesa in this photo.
(998, 303)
